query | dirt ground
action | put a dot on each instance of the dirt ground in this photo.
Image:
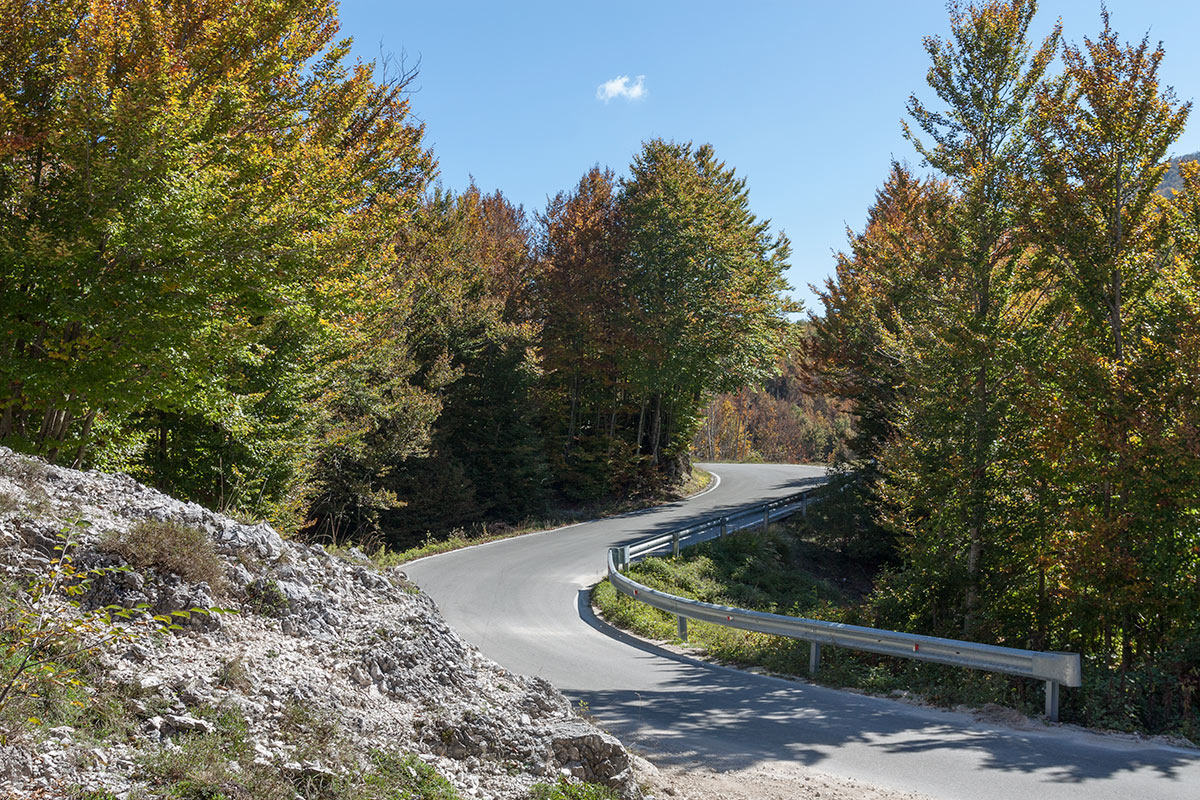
(770, 782)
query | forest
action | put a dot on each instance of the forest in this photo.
(227, 268)
(1017, 338)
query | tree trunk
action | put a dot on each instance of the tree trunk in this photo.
(641, 426)
(84, 438)
(656, 428)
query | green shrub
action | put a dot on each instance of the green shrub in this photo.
(215, 766)
(169, 547)
(264, 597)
(565, 790)
(47, 636)
(220, 765)
(396, 777)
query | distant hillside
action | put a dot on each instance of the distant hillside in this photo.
(1172, 180)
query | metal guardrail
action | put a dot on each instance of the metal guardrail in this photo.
(1056, 669)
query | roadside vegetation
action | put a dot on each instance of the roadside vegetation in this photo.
(332, 341)
(1017, 337)
(383, 557)
(789, 569)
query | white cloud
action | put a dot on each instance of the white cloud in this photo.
(621, 86)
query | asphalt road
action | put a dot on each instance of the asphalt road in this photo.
(524, 603)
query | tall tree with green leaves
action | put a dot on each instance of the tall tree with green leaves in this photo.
(196, 199)
(704, 281)
(585, 339)
(468, 267)
(985, 74)
(1104, 132)
(882, 307)
(884, 288)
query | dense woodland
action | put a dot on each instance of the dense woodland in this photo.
(226, 268)
(783, 420)
(1018, 338)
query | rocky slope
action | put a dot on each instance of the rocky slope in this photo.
(325, 665)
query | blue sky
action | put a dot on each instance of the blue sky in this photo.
(804, 99)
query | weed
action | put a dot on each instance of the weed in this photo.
(314, 732)
(264, 597)
(220, 766)
(169, 547)
(47, 634)
(567, 790)
(217, 765)
(232, 674)
(393, 776)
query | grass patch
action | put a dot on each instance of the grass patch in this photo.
(220, 765)
(782, 572)
(403, 777)
(314, 732)
(565, 790)
(697, 482)
(169, 547)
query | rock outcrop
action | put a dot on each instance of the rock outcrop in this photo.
(313, 634)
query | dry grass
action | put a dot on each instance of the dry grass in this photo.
(169, 547)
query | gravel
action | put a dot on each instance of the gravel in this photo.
(311, 630)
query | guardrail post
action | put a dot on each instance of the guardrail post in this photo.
(804, 505)
(1052, 700)
(682, 628)
(766, 516)
(814, 657)
(724, 525)
(675, 545)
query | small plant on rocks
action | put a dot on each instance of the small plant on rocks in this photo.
(218, 764)
(232, 674)
(312, 730)
(395, 776)
(567, 790)
(45, 630)
(264, 597)
(169, 547)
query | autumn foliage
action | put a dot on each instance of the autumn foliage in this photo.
(1016, 338)
(223, 268)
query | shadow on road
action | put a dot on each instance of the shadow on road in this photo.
(722, 718)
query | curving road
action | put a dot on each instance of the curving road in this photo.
(524, 603)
